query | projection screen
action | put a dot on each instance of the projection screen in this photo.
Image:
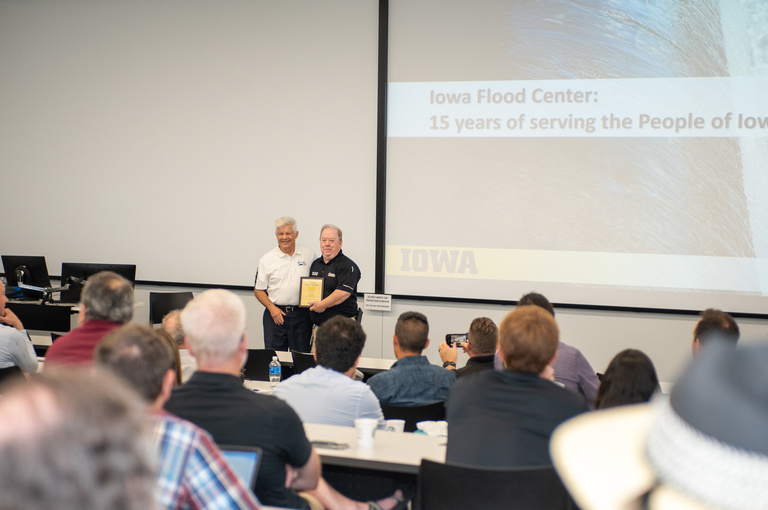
(602, 152)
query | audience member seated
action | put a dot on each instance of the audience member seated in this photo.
(412, 380)
(629, 379)
(328, 393)
(106, 303)
(713, 327)
(703, 447)
(572, 369)
(171, 344)
(215, 399)
(73, 440)
(16, 347)
(172, 325)
(192, 472)
(482, 339)
(505, 418)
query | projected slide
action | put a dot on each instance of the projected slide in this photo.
(603, 152)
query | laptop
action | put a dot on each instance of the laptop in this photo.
(244, 461)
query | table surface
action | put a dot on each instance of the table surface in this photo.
(399, 452)
(392, 451)
(259, 386)
(365, 363)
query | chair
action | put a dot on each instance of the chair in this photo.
(42, 350)
(302, 361)
(455, 486)
(160, 303)
(414, 414)
(257, 365)
(10, 373)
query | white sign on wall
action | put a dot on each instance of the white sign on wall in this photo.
(380, 302)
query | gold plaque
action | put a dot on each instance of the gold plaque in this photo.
(311, 290)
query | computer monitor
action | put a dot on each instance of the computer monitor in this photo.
(29, 270)
(75, 274)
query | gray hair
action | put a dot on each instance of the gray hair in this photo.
(284, 221)
(329, 225)
(214, 324)
(175, 330)
(108, 296)
(75, 440)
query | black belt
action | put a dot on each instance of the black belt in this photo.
(293, 308)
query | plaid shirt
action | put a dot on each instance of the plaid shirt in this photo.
(192, 472)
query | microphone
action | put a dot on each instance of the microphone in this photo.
(75, 279)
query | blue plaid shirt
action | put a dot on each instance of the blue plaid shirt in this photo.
(412, 381)
(192, 472)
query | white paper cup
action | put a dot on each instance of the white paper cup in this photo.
(396, 425)
(366, 428)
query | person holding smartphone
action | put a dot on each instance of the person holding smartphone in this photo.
(480, 344)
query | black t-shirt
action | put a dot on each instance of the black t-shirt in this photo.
(476, 364)
(234, 415)
(339, 273)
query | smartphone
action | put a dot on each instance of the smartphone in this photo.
(456, 338)
(330, 445)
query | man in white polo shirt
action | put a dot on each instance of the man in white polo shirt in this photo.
(278, 280)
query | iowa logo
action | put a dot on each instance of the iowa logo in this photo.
(438, 261)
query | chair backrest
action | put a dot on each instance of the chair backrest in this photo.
(244, 461)
(10, 373)
(302, 361)
(160, 303)
(414, 414)
(257, 365)
(455, 486)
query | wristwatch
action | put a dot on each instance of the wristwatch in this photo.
(449, 364)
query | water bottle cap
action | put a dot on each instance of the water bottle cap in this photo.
(274, 358)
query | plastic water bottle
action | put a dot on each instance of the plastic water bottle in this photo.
(275, 370)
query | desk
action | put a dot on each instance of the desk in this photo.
(39, 317)
(396, 452)
(260, 386)
(379, 364)
(368, 366)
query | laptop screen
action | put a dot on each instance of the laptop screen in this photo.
(244, 461)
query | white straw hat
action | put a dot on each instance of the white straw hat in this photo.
(706, 446)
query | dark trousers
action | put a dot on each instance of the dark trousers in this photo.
(294, 333)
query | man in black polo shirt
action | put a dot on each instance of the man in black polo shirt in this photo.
(340, 276)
